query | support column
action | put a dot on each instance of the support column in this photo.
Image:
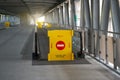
(58, 18)
(54, 18)
(51, 17)
(82, 20)
(57, 15)
(66, 14)
(105, 16)
(61, 15)
(54, 15)
(96, 14)
(87, 14)
(88, 22)
(72, 6)
(95, 25)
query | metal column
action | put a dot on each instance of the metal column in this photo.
(105, 16)
(87, 14)
(95, 25)
(66, 14)
(61, 15)
(87, 22)
(54, 18)
(64, 19)
(57, 15)
(96, 14)
(82, 20)
(82, 26)
(51, 17)
(72, 6)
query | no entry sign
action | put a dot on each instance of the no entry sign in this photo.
(60, 48)
(60, 45)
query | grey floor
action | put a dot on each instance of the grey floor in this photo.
(13, 66)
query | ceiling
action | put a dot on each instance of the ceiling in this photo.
(29, 6)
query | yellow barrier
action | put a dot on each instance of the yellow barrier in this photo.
(43, 25)
(7, 24)
(49, 25)
(60, 44)
(39, 24)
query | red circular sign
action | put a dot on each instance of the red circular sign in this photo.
(60, 45)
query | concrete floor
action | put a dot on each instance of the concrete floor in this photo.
(14, 67)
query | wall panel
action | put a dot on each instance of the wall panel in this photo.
(110, 49)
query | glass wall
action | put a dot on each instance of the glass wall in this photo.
(14, 20)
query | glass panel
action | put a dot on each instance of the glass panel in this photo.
(95, 38)
(102, 47)
(83, 40)
(110, 49)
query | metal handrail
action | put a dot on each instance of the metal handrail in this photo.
(104, 31)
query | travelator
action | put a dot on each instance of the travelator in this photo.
(57, 44)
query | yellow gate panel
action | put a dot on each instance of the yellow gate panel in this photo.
(60, 44)
(43, 25)
(7, 24)
(39, 24)
(49, 25)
